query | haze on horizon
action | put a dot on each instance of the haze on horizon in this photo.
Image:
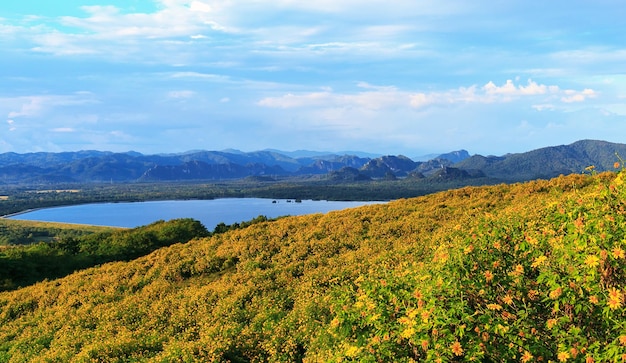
(407, 77)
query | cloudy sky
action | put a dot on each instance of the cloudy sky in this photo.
(404, 77)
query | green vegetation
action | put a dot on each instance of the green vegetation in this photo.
(25, 264)
(524, 272)
(14, 232)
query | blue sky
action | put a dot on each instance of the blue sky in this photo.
(407, 77)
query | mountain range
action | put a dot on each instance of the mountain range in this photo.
(104, 166)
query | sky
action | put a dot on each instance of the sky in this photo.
(395, 77)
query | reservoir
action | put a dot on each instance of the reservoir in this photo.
(208, 212)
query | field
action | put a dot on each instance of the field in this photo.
(525, 272)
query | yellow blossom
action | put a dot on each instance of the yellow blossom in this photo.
(488, 275)
(615, 298)
(407, 333)
(562, 356)
(592, 261)
(456, 348)
(352, 351)
(618, 253)
(593, 299)
(507, 299)
(527, 357)
(424, 344)
(622, 339)
(550, 323)
(519, 270)
(616, 165)
(496, 307)
(554, 294)
(539, 261)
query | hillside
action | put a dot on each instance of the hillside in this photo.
(548, 162)
(523, 272)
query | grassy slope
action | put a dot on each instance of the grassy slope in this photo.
(497, 273)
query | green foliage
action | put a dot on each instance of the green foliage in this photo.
(524, 272)
(24, 265)
(13, 232)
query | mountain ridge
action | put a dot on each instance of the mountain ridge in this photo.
(104, 166)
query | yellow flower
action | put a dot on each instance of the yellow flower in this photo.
(507, 299)
(618, 253)
(614, 303)
(622, 339)
(456, 348)
(526, 357)
(496, 307)
(519, 270)
(488, 275)
(562, 356)
(592, 261)
(407, 333)
(424, 344)
(593, 299)
(554, 294)
(616, 165)
(615, 298)
(539, 261)
(550, 323)
(412, 313)
(352, 351)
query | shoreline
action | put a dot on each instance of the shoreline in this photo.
(7, 216)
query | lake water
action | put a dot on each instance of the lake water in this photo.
(208, 212)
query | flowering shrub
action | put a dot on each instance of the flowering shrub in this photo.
(526, 272)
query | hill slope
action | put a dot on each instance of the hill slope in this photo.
(547, 162)
(523, 272)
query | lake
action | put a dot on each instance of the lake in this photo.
(208, 212)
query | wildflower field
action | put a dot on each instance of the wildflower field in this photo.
(525, 272)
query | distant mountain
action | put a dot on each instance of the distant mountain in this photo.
(103, 166)
(300, 154)
(454, 156)
(385, 165)
(547, 162)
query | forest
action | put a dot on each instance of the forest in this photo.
(526, 272)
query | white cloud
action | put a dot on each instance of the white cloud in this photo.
(181, 94)
(376, 97)
(11, 125)
(63, 129)
(572, 96)
(29, 106)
